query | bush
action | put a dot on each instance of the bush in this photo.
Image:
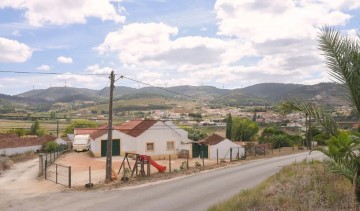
(50, 146)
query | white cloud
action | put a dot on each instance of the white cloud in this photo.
(60, 12)
(259, 41)
(14, 51)
(96, 69)
(43, 67)
(64, 60)
(157, 47)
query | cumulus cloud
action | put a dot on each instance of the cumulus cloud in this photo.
(64, 60)
(258, 41)
(96, 69)
(59, 12)
(14, 51)
(43, 67)
(151, 44)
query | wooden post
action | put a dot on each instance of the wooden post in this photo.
(169, 163)
(187, 160)
(90, 176)
(202, 155)
(109, 137)
(230, 154)
(41, 164)
(217, 156)
(148, 165)
(69, 176)
(45, 167)
(56, 173)
(255, 150)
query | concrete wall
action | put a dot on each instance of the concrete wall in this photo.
(224, 150)
(19, 150)
(159, 134)
(127, 143)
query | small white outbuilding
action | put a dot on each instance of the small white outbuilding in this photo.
(222, 147)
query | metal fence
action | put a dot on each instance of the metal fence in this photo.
(59, 174)
(54, 172)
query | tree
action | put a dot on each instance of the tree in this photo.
(342, 56)
(196, 134)
(36, 129)
(79, 124)
(228, 126)
(277, 138)
(243, 129)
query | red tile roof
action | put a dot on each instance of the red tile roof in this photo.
(84, 131)
(133, 128)
(141, 127)
(24, 142)
(213, 139)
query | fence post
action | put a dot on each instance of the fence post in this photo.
(148, 165)
(45, 167)
(187, 160)
(230, 154)
(56, 173)
(255, 150)
(217, 156)
(202, 155)
(41, 164)
(169, 163)
(90, 176)
(69, 176)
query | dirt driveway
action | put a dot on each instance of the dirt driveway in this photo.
(22, 181)
(80, 163)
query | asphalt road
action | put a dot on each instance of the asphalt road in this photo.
(195, 192)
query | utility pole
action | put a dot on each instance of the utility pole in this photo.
(109, 140)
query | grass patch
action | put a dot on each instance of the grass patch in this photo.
(300, 186)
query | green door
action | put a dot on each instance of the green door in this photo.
(115, 147)
(204, 150)
(195, 150)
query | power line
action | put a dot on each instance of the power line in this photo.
(147, 84)
(51, 73)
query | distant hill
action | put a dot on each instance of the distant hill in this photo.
(56, 94)
(259, 94)
(270, 90)
(273, 93)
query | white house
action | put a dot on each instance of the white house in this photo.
(147, 137)
(218, 144)
(11, 144)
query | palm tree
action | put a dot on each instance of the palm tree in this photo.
(342, 56)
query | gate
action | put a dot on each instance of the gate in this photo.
(59, 174)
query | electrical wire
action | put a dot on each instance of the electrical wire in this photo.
(51, 73)
(161, 88)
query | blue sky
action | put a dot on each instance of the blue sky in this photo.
(222, 43)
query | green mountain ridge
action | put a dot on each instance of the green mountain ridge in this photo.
(258, 94)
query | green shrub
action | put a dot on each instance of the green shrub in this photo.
(51, 146)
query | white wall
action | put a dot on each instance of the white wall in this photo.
(159, 134)
(19, 150)
(127, 143)
(224, 150)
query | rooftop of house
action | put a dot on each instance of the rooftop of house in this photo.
(213, 139)
(133, 128)
(17, 141)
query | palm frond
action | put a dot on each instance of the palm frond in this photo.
(343, 60)
(324, 118)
